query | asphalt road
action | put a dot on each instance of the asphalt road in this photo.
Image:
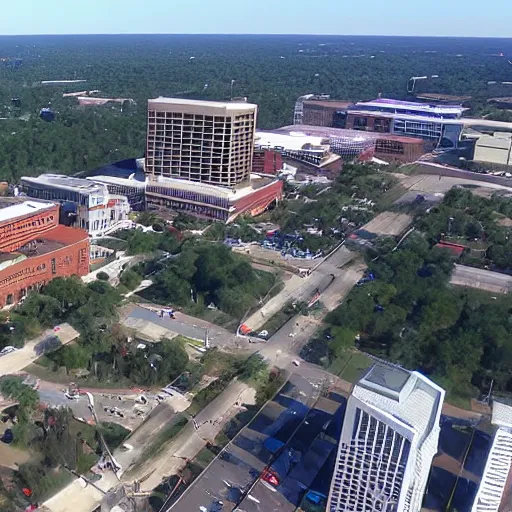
(481, 279)
(241, 463)
(186, 326)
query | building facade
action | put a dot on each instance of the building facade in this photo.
(132, 189)
(267, 161)
(33, 218)
(325, 112)
(494, 493)
(203, 141)
(95, 209)
(209, 201)
(35, 249)
(389, 438)
(391, 106)
(395, 148)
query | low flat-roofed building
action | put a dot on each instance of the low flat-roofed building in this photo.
(392, 106)
(96, 210)
(443, 98)
(134, 190)
(297, 145)
(210, 201)
(362, 145)
(503, 102)
(495, 149)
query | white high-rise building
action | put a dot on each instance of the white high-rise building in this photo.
(389, 438)
(494, 491)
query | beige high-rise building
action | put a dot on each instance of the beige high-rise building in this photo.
(206, 141)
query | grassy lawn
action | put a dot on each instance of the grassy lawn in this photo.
(387, 199)
(61, 377)
(110, 243)
(350, 365)
(463, 402)
(204, 457)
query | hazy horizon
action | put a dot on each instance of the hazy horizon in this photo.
(458, 18)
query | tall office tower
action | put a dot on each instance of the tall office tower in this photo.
(206, 141)
(389, 438)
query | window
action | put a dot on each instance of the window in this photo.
(54, 267)
(381, 125)
(9, 299)
(360, 123)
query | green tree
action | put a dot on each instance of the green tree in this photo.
(43, 308)
(130, 279)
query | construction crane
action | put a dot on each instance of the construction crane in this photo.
(412, 81)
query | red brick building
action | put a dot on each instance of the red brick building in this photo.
(32, 218)
(325, 112)
(267, 161)
(396, 148)
(43, 249)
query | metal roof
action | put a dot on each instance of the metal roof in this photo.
(80, 185)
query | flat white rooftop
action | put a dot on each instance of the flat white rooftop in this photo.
(501, 414)
(115, 180)
(203, 103)
(82, 185)
(408, 396)
(420, 107)
(243, 189)
(295, 141)
(25, 208)
(461, 121)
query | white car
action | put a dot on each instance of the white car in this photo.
(263, 335)
(295, 362)
(7, 350)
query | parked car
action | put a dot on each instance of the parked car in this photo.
(7, 350)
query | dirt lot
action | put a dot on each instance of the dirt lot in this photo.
(388, 223)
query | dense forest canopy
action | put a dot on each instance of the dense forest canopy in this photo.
(271, 71)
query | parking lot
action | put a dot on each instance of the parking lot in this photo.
(289, 421)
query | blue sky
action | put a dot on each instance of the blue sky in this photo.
(492, 18)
